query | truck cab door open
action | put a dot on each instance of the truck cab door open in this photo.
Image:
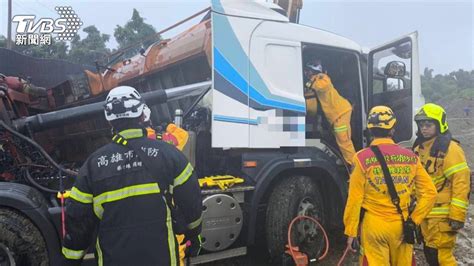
(394, 81)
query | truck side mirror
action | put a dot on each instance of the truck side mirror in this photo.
(395, 69)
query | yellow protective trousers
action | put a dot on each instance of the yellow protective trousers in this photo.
(382, 242)
(440, 240)
(342, 132)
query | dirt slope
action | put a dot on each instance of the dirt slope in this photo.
(461, 126)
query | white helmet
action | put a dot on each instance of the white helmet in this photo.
(123, 102)
(317, 68)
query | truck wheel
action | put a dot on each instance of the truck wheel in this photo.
(294, 196)
(21, 242)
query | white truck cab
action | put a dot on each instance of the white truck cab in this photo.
(258, 79)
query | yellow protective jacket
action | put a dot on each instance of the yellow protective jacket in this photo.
(367, 188)
(180, 134)
(451, 177)
(174, 134)
(333, 104)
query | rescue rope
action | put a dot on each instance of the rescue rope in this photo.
(302, 217)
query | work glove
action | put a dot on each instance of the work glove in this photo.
(455, 225)
(193, 245)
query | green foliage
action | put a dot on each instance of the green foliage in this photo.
(468, 93)
(84, 51)
(91, 48)
(456, 84)
(135, 31)
(3, 41)
(57, 50)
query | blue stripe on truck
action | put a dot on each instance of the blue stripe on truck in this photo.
(238, 120)
(224, 68)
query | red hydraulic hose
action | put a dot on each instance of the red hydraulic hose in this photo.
(63, 216)
(343, 256)
(302, 217)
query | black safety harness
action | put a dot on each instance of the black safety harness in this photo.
(438, 150)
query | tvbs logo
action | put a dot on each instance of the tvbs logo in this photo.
(26, 24)
(30, 28)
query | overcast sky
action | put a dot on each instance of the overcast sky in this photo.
(445, 27)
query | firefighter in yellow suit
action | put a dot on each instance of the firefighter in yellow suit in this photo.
(336, 108)
(381, 226)
(444, 160)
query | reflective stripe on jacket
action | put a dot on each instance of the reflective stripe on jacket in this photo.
(451, 176)
(119, 197)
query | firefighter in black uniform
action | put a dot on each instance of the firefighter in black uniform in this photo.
(123, 194)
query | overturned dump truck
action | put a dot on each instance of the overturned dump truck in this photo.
(238, 78)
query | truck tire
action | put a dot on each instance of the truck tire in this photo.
(294, 196)
(21, 240)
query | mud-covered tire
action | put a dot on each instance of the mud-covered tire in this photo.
(284, 205)
(22, 239)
